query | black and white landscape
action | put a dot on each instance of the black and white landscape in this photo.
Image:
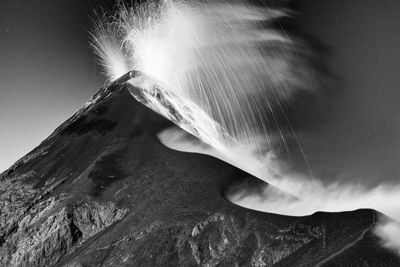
(103, 191)
(227, 133)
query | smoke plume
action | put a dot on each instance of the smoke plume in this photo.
(311, 195)
(230, 71)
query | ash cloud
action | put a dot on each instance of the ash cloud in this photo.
(389, 232)
(295, 194)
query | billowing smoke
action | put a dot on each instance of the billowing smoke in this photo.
(226, 72)
(227, 57)
(311, 195)
(389, 231)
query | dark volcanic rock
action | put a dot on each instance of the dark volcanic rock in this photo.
(103, 191)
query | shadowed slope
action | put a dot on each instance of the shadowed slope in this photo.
(102, 190)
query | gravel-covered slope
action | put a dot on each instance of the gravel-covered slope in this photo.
(103, 191)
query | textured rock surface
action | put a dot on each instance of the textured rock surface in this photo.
(103, 191)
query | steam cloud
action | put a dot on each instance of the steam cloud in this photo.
(210, 53)
(229, 70)
(389, 231)
(311, 194)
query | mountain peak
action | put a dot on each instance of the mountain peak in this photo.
(103, 190)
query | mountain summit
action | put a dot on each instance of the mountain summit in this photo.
(103, 191)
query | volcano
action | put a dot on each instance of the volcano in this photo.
(102, 190)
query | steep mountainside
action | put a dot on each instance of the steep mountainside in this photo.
(103, 191)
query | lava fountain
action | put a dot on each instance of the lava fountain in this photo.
(224, 67)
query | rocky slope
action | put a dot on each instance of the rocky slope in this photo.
(103, 191)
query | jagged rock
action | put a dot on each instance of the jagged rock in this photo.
(48, 231)
(94, 217)
(43, 236)
(15, 196)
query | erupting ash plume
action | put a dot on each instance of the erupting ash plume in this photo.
(227, 58)
(226, 72)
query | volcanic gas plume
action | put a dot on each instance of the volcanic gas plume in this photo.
(230, 71)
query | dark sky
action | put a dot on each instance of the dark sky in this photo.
(359, 137)
(48, 71)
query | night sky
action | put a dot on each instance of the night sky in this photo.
(48, 71)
